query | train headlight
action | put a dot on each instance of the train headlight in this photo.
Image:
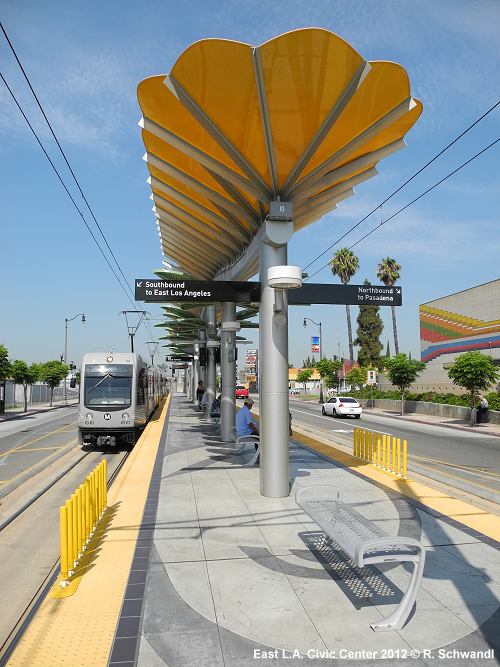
(125, 415)
(89, 415)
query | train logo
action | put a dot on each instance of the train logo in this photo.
(107, 416)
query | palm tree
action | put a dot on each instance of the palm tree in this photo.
(388, 273)
(344, 264)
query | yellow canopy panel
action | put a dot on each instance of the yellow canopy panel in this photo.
(303, 118)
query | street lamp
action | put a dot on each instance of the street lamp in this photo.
(66, 320)
(318, 324)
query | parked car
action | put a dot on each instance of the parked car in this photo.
(342, 406)
(241, 391)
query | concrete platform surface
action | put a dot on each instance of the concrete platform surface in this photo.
(239, 579)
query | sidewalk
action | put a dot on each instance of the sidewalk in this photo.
(236, 578)
(221, 576)
(18, 412)
(433, 420)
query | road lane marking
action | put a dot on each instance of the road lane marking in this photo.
(15, 449)
(23, 472)
(311, 414)
(457, 465)
(449, 474)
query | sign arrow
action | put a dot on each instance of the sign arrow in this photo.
(398, 291)
(139, 283)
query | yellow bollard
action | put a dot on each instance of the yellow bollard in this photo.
(354, 439)
(377, 454)
(356, 443)
(78, 523)
(75, 528)
(384, 447)
(398, 457)
(69, 515)
(105, 475)
(101, 493)
(87, 508)
(92, 502)
(394, 447)
(405, 452)
(63, 523)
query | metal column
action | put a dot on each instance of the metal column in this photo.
(273, 367)
(202, 370)
(210, 319)
(228, 372)
(196, 369)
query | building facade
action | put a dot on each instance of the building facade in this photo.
(467, 320)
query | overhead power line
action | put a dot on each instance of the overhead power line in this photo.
(414, 200)
(64, 185)
(433, 159)
(71, 171)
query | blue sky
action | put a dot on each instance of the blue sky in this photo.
(85, 60)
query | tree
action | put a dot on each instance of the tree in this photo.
(328, 370)
(370, 328)
(388, 273)
(403, 372)
(344, 264)
(26, 375)
(303, 376)
(475, 372)
(4, 372)
(357, 376)
(4, 363)
(52, 373)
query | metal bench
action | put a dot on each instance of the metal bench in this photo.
(364, 542)
(242, 441)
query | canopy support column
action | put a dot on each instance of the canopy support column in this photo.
(210, 319)
(196, 370)
(273, 367)
(228, 372)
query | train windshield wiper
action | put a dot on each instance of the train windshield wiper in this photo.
(108, 375)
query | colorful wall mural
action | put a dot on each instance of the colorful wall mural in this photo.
(444, 332)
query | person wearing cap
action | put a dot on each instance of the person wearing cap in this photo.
(245, 422)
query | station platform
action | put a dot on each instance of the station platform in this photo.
(194, 567)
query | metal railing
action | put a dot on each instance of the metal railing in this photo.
(389, 453)
(79, 519)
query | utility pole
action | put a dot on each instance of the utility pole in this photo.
(132, 330)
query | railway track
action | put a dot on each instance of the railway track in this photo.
(31, 572)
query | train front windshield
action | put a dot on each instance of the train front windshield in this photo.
(108, 384)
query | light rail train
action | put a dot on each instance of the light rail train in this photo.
(118, 395)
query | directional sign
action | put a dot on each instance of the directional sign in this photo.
(203, 291)
(164, 291)
(353, 295)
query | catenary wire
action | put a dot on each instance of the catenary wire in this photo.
(62, 152)
(65, 187)
(419, 171)
(416, 199)
(69, 167)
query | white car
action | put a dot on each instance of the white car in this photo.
(342, 406)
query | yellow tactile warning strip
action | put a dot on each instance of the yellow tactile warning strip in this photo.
(78, 631)
(458, 510)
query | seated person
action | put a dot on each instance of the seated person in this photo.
(245, 422)
(215, 409)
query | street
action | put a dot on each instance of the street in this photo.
(29, 442)
(468, 461)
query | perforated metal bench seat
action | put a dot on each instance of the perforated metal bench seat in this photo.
(365, 543)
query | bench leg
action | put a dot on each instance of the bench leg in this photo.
(397, 619)
(254, 459)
